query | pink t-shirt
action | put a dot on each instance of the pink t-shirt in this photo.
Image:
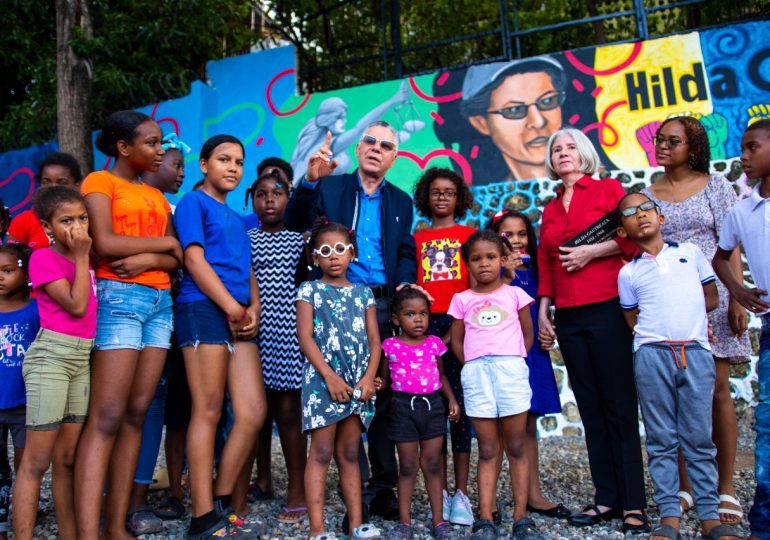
(492, 326)
(47, 266)
(414, 368)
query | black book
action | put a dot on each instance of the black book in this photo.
(600, 231)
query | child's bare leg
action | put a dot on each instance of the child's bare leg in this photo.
(62, 484)
(430, 463)
(346, 448)
(535, 497)
(287, 410)
(26, 490)
(321, 452)
(514, 433)
(489, 449)
(408, 465)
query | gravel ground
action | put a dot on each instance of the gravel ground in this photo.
(564, 476)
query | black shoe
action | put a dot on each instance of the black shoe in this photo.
(643, 527)
(559, 511)
(586, 520)
(385, 505)
(364, 518)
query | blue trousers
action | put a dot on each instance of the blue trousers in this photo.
(759, 517)
(675, 386)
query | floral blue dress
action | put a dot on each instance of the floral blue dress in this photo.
(339, 330)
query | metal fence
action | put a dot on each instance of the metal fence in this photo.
(324, 64)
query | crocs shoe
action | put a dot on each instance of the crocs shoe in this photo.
(524, 529)
(220, 530)
(367, 531)
(461, 512)
(402, 531)
(142, 520)
(235, 523)
(444, 531)
(324, 536)
(484, 529)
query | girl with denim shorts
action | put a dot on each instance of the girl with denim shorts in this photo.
(491, 335)
(136, 246)
(217, 314)
(56, 367)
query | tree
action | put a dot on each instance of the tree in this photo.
(73, 82)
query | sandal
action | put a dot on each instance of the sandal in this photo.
(666, 531)
(142, 520)
(721, 531)
(643, 527)
(300, 514)
(686, 503)
(170, 508)
(723, 512)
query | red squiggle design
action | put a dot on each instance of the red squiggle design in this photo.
(433, 99)
(28, 197)
(154, 110)
(269, 99)
(422, 162)
(580, 66)
(171, 121)
(603, 125)
(437, 117)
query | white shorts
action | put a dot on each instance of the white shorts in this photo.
(496, 386)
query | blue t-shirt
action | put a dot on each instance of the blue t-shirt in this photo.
(17, 332)
(219, 230)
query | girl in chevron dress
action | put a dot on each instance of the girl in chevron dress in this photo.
(280, 264)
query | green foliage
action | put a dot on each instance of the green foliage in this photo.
(143, 51)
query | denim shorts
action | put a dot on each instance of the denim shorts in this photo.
(132, 316)
(201, 322)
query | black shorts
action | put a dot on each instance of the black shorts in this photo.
(178, 400)
(416, 417)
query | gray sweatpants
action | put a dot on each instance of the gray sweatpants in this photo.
(675, 384)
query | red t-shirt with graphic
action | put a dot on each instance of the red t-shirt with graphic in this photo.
(440, 268)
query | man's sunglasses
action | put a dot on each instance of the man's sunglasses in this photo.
(370, 140)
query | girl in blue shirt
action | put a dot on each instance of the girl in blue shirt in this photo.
(216, 314)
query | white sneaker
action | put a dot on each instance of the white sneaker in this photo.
(446, 505)
(461, 512)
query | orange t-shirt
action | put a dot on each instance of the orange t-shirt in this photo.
(137, 210)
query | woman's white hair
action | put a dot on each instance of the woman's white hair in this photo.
(589, 159)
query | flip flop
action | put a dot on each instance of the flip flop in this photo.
(170, 508)
(687, 498)
(721, 531)
(666, 531)
(723, 512)
(301, 510)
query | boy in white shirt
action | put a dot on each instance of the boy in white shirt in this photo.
(665, 293)
(748, 223)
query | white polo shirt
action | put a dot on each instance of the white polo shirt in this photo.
(668, 290)
(748, 223)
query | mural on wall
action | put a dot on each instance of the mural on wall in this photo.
(490, 122)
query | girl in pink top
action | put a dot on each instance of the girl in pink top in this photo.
(56, 367)
(491, 335)
(417, 413)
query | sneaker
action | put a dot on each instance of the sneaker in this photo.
(444, 531)
(402, 531)
(142, 520)
(484, 529)
(446, 501)
(461, 512)
(367, 531)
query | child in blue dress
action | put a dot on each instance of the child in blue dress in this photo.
(337, 331)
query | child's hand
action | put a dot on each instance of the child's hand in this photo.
(737, 317)
(711, 334)
(339, 390)
(366, 384)
(379, 383)
(78, 241)
(252, 319)
(454, 411)
(133, 265)
(237, 319)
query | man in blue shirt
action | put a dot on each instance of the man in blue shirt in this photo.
(381, 215)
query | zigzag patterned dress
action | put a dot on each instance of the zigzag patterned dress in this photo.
(276, 260)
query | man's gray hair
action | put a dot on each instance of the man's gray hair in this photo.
(383, 123)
